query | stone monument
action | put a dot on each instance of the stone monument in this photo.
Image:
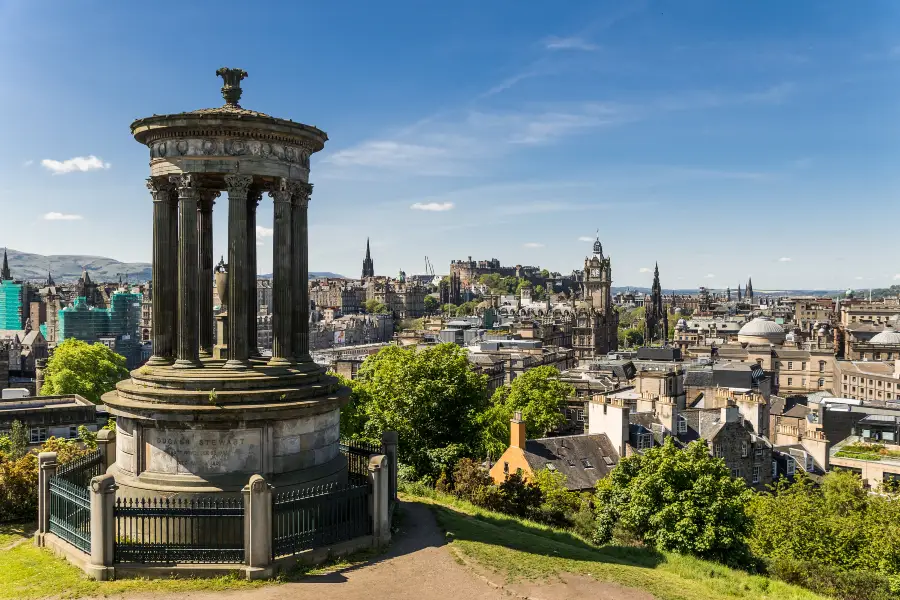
(197, 421)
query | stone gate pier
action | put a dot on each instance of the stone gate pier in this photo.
(198, 420)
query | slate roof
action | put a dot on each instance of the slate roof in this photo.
(583, 459)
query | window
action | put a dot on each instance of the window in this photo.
(822, 383)
(790, 381)
(682, 424)
(744, 450)
(758, 452)
(736, 473)
(845, 378)
(586, 463)
(810, 463)
(790, 365)
(803, 366)
(580, 415)
(755, 474)
(73, 432)
(774, 469)
(506, 468)
(38, 434)
(790, 466)
(717, 450)
(645, 441)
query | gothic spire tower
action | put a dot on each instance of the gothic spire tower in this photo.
(655, 318)
(5, 274)
(368, 269)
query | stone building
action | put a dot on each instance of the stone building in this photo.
(342, 294)
(405, 299)
(51, 416)
(867, 380)
(595, 330)
(656, 317)
(470, 270)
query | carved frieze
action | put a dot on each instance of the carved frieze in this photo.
(229, 146)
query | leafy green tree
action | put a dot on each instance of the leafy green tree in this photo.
(679, 500)
(76, 367)
(545, 274)
(353, 415)
(18, 440)
(538, 292)
(539, 394)
(431, 304)
(430, 398)
(558, 504)
(374, 307)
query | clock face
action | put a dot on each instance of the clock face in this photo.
(595, 272)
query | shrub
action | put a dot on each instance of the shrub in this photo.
(830, 581)
(518, 497)
(469, 480)
(558, 504)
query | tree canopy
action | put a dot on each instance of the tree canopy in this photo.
(538, 394)
(679, 500)
(431, 304)
(90, 370)
(431, 398)
(374, 307)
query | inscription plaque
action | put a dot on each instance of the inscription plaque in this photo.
(188, 452)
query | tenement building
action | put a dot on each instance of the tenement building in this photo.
(405, 299)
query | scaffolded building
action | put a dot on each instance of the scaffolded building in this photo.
(117, 326)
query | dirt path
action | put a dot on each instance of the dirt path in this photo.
(420, 566)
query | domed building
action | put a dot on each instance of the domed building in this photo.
(761, 330)
(888, 337)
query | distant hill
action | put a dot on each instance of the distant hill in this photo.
(68, 267)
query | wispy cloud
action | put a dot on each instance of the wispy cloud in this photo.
(708, 276)
(858, 278)
(264, 231)
(58, 216)
(645, 270)
(533, 245)
(432, 206)
(27, 163)
(79, 163)
(569, 43)
(785, 259)
(585, 238)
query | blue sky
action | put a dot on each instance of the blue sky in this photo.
(721, 139)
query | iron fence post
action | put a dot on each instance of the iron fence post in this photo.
(103, 501)
(46, 469)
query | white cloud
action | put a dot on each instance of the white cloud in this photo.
(569, 43)
(533, 245)
(645, 270)
(858, 278)
(264, 231)
(709, 276)
(58, 216)
(897, 276)
(785, 259)
(585, 238)
(432, 206)
(79, 163)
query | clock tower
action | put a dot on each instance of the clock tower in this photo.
(596, 322)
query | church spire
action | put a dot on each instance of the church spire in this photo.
(368, 253)
(368, 268)
(50, 279)
(4, 274)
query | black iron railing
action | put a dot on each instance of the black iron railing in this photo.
(81, 470)
(162, 530)
(70, 512)
(358, 455)
(319, 516)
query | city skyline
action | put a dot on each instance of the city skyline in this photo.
(712, 139)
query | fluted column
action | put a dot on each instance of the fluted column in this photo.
(165, 269)
(300, 270)
(187, 348)
(238, 271)
(282, 276)
(205, 269)
(253, 199)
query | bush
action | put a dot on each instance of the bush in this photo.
(519, 498)
(829, 581)
(469, 480)
(558, 504)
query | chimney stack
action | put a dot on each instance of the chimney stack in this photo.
(517, 431)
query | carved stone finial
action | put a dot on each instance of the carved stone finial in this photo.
(231, 90)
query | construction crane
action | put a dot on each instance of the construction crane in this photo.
(429, 268)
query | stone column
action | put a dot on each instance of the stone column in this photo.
(106, 444)
(238, 271)
(103, 523)
(46, 469)
(300, 270)
(253, 200)
(165, 269)
(381, 516)
(282, 276)
(257, 523)
(389, 445)
(187, 349)
(205, 269)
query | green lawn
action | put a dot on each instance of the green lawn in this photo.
(28, 572)
(521, 549)
(864, 451)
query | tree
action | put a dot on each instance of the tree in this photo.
(18, 440)
(431, 304)
(90, 370)
(679, 500)
(545, 274)
(374, 307)
(430, 398)
(538, 394)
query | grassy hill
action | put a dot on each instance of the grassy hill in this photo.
(515, 549)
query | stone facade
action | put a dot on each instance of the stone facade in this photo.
(595, 328)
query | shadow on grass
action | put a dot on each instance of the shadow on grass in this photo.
(515, 535)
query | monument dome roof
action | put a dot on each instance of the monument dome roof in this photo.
(762, 327)
(888, 337)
